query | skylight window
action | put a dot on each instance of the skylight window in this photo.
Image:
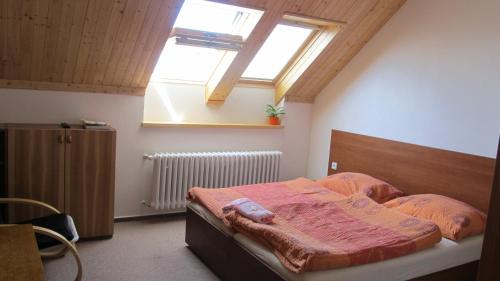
(216, 17)
(279, 49)
(187, 63)
(204, 34)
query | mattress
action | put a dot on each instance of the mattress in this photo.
(446, 254)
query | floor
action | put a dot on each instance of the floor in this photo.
(139, 250)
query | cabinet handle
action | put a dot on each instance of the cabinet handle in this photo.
(60, 139)
(69, 139)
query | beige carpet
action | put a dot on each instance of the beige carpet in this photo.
(139, 251)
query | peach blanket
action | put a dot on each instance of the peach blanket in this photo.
(315, 228)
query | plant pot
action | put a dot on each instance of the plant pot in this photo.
(273, 120)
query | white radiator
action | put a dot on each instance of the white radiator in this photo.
(175, 173)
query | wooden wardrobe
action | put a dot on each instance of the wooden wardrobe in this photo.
(72, 169)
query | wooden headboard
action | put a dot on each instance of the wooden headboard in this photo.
(413, 168)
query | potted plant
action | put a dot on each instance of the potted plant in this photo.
(273, 114)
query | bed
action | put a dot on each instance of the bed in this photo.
(232, 256)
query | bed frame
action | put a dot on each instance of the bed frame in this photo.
(412, 168)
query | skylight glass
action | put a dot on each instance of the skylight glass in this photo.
(280, 47)
(186, 63)
(217, 17)
(196, 64)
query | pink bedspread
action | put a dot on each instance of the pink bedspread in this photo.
(315, 228)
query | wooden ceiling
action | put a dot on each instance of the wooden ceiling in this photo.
(112, 46)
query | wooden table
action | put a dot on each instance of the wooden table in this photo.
(19, 257)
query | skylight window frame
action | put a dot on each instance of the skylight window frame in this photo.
(208, 39)
(318, 26)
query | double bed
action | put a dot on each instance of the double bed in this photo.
(234, 256)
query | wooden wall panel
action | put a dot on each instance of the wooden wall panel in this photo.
(112, 46)
(413, 168)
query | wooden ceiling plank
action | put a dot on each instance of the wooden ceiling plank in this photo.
(39, 32)
(14, 39)
(222, 82)
(371, 27)
(346, 10)
(299, 99)
(152, 53)
(109, 19)
(127, 34)
(27, 19)
(322, 7)
(87, 40)
(302, 7)
(159, 25)
(367, 28)
(116, 75)
(120, 24)
(337, 10)
(339, 56)
(304, 86)
(51, 39)
(76, 36)
(136, 57)
(334, 10)
(3, 37)
(62, 49)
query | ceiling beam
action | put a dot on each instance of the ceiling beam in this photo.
(71, 87)
(225, 77)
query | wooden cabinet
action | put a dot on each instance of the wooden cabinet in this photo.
(72, 169)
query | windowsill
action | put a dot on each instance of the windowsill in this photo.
(209, 125)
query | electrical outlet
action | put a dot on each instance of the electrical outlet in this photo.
(334, 166)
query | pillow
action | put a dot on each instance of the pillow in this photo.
(456, 219)
(351, 183)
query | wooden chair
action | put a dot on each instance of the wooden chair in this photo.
(56, 233)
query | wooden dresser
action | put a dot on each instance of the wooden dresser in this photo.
(72, 169)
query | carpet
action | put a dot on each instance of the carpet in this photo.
(139, 251)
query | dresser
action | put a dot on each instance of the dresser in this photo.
(72, 169)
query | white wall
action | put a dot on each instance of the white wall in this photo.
(430, 76)
(125, 113)
(186, 103)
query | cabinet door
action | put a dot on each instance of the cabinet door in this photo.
(35, 169)
(90, 180)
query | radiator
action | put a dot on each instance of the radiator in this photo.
(175, 173)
